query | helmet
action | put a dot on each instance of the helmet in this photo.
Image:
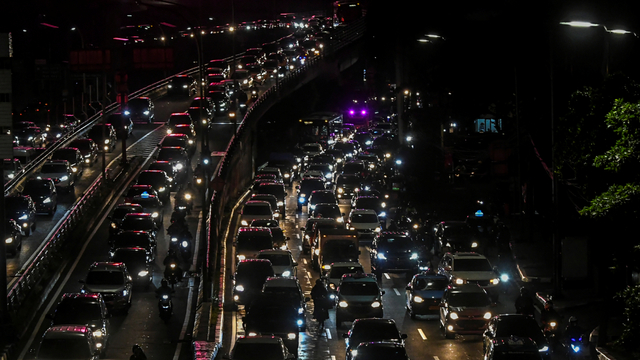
(164, 282)
(136, 347)
(573, 320)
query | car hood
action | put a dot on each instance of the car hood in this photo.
(279, 269)
(365, 226)
(359, 298)
(474, 275)
(429, 294)
(470, 311)
(103, 288)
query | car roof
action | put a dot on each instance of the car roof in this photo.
(281, 281)
(262, 339)
(359, 277)
(275, 251)
(364, 211)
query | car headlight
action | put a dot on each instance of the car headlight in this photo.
(74, 169)
(127, 112)
(64, 178)
(87, 160)
(154, 214)
(162, 189)
(459, 281)
(378, 229)
(114, 225)
(487, 315)
(343, 304)
(504, 277)
(495, 281)
(190, 142)
(187, 196)
(241, 257)
(300, 311)
(332, 286)
(381, 256)
(340, 220)
(244, 223)
(8, 240)
(301, 199)
(383, 205)
(286, 273)
(340, 190)
(97, 333)
(11, 176)
(169, 131)
(169, 86)
(382, 214)
(143, 273)
(414, 256)
(326, 267)
(23, 217)
(46, 201)
(239, 288)
(418, 299)
(125, 292)
(280, 203)
(543, 349)
(312, 207)
(178, 166)
(474, 244)
(146, 112)
(328, 176)
(316, 252)
(291, 336)
(376, 304)
(165, 297)
(286, 175)
(184, 86)
(453, 316)
(185, 244)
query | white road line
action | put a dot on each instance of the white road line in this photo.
(396, 291)
(422, 335)
(328, 333)
(387, 276)
(436, 358)
(333, 357)
(298, 236)
(304, 261)
(299, 248)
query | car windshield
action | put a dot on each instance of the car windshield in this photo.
(364, 218)
(277, 259)
(256, 210)
(132, 259)
(327, 211)
(137, 224)
(96, 132)
(174, 141)
(82, 145)
(471, 265)
(359, 288)
(351, 168)
(53, 168)
(520, 327)
(149, 202)
(311, 147)
(138, 103)
(464, 299)
(179, 119)
(71, 349)
(430, 284)
(77, 312)
(323, 197)
(131, 240)
(164, 166)
(168, 154)
(324, 168)
(276, 189)
(310, 185)
(254, 242)
(336, 272)
(151, 177)
(249, 351)
(348, 180)
(36, 188)
(70, 155)
(251, 272)
(401, 243)
(367, 203)
(105, 278)
(458, 230)
(373, 331)
(120, 212)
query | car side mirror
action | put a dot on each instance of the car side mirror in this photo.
(294, 263)
(408, 287)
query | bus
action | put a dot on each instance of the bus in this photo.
(319, 127)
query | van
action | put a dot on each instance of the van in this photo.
(68, 342)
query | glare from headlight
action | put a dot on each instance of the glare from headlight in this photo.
(291, 336)
(143, 273)
(154, 215)
(178, 166)
(97, 333)
(23, 217)
(239, 288)
(487, 315)
(375, 304)
(162, 189)
(474, 244)
(46, 201)
(543, 349)
(418, 299)
(280, 203)
(244, 223)
(453, 316)
(286, 273)
(414, 256)
(343, 304)
(495, 281)
(64, 178)
(8, 240)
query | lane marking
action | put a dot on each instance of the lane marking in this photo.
(304, 261)
(298, 236)
(386, 275)
(299, 248)
(333, 357)
(422, 335)
(435, 357)
(328, 334)
(396, 291)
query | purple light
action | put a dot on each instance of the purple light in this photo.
(364, 112)
(49, 25)
(120, 39)
(351, 112)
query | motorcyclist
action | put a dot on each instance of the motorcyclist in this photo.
(178, 223)
(138, 354)
(164, 289)
(524, 303)
(172, 256)
(198, 174)
(549, 315)
(184, 196)
(573, 330)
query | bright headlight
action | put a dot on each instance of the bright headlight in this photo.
(239, 288)
(343, 304)
(162, 189)
(340, 190)
(8, 240)
(286, 175)
(414, 256)
(459, 281)
(127, 112)
(375, 304)
(154, 214)
(474, 244)
(97, 333)
(280, 203)
(300, 311)
(46, 201)
(544, 349)
(495, 281)
(244, 223)
(316, 252)
(74, 169)
(487, 315)
(23, 217)
(178, 166)
(418, 299)
(241, 257)
(146, 112)
(185, 244)
(453, 316)
(64, 178)
(382, 256)
(187, 196)
(291, 336)
(286, 273)
(378, 229)
(143, 273)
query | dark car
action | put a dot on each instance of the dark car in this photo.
(172, 173)
(117, 216)
(270, 315)
(159, 180)
(73, 156)
(137, 190)
(43, 193)
(122, 123)
(182, 85)
(424, 293)
(180, 140)
(140, 109)
(138, 264)
(221, 102)
(279, 240)
(12, 237)
(455, 236)
(250, 240)
(288, 289)
(516, 325)
(371, 330)
(348, 186)
(465, 309)
(179, 119)
(31, 136)
(104, 135)
(328, 210)
(151, 204)
(288, 169)
(86, 309)
(140, 222)
(512, 348)
(272, 200)
(248, 280)
(113, 281)
(135, 238)
(380, 351)
(359, 296)
(88, 149)
(306, 187)
(320, 196)
(22, 209)
(371, 202)
(177, 156)
(276, 189)
(393, 251)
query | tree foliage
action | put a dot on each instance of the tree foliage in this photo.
(631, 330)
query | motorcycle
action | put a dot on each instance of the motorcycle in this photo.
(552, 332)
(173, 273)
(184, 202)
(165, 307)
(575, 348)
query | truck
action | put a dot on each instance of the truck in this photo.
(334, 245)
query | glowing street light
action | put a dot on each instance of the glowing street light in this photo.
(582, 24)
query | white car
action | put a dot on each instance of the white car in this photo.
(60, 172)
(366, 222)
(255, 209)
(281, 261)
(470, 268)
(311, 174)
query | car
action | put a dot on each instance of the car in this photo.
(243, 78)
(122, 123)
(288, 290)
(141, 222)
(60, 172)
(328, 210)
(453, 236)
(350, 148)
(258, 73)
(367, 330)
(73, 156)
(276, 189)
(271, 199)
(275, 316)
(104, 135)
(424, 293)
(43, 193)
(325, 170)
(248, 279)
(140, 109)
(348, 186)
(137, 190)
(255, 209)
(470, 268)
(63, 342)
(170, 170)
(370, 202)
(395, 251)
(307, 232)
(158, 180)
(465, 309)
(32, 136)
(177, 156)
(309, 150)
(269, 347)
(185, 129)
(151, 204)
(11, 168)
(306, 187)
(113, 281)
(12, 237)
(25, 154)
(201, 119)
(281, 260)
(22, 209)
(117, 216)
(137, 262)
(279, 239)
(88, 149)
(359, 296)
(310, 174)
(84, 309)
(179, 119)
(366, 222)
(250, 240)
(334, 275)
(134, 238)
(512, 347)
(380, 350)
(182, 85)
(355, 167)
(181, 140)
(507, 326)
(320, 196)
(221, 102)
